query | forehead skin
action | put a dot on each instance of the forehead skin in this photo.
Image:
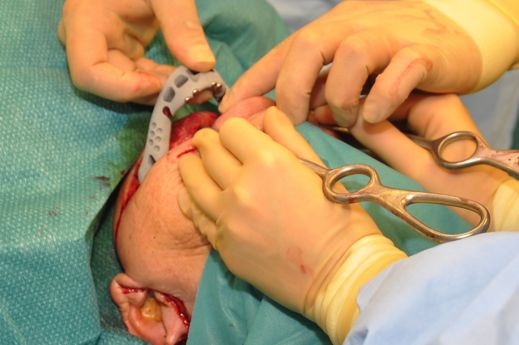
(156, 244)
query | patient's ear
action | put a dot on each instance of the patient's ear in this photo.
(143, 315)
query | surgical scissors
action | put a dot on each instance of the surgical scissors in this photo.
(396, 200)
(506, 160)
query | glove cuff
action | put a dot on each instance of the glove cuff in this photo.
(505, 206)
(510, 8)
(494, 28)
(335, 308)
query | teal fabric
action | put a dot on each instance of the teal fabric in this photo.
(229, 311)
(63, 154)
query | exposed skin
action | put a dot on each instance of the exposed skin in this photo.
(159, 248)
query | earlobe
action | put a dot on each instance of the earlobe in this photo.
(144, 315)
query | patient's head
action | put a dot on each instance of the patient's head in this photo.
(161, 252)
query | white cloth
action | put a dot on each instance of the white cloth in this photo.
(462, 292)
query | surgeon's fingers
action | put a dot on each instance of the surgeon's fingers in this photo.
(354, 62)
(243, 140)
(408, 68)
(219, 163)
(393, 147)
(184, 34)
(202, 189)
(202, 222)
(310, 50)
(278, 126)
(258, 79)
(91, 70)
(106, 80)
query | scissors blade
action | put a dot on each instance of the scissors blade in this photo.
(318, 169)
(421, 141)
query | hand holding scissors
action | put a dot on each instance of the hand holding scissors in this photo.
(396, 200)
(506, 160)
(432, 117)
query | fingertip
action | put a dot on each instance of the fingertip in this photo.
(345, 117)
(204, 138)
(225, 103)
(184, 34)
(232, 97)
(374, 112)
(295, 112)
(232, 125)
(200, 58)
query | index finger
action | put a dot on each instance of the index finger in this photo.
(258, 79)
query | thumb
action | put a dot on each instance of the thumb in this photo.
(184, 34)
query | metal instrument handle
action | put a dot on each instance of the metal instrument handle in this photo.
(397, 201)
(506, 160)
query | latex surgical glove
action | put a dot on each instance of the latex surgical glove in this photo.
(266, 214)
(106, 42)
(404, 44)
(432, 117)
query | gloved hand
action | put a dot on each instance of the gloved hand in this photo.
(406, 44)
(266, 214)
(432, 117)
(106, 41)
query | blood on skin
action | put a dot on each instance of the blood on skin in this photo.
(186, 151)
(174, 302)
(181, 131)
(127, 290)
(181, 310)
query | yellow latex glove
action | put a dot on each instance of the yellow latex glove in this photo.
(432, 117)
(404, 44)
(266, 214)
(106, 41)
